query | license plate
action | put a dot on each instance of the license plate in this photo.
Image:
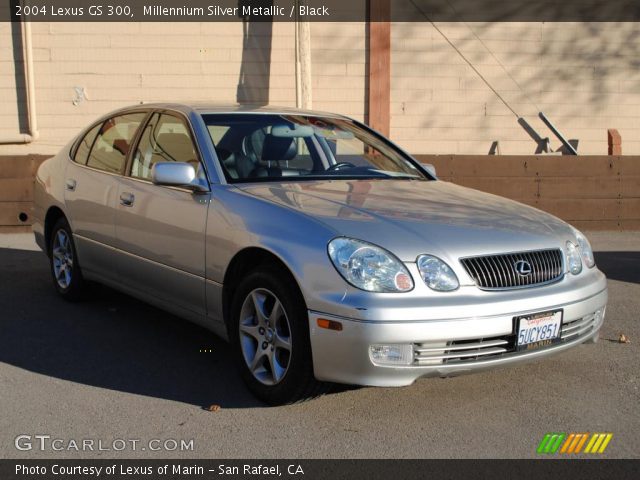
(538, 330)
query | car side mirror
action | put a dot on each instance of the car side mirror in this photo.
(429, 168)
(176, 174)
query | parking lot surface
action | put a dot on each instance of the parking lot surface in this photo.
(115, 368)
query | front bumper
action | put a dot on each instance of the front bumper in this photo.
(343, 356)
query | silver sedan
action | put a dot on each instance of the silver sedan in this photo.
(320, 249)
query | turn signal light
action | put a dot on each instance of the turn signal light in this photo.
(329, 324)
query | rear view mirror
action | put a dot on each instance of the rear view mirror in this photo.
(297, 131)
(175, 174)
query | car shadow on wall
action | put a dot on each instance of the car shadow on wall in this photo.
(621, 266)
(110, 341)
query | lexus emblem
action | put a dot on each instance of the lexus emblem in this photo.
(522, 267)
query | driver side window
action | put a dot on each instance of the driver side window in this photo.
(165, 139)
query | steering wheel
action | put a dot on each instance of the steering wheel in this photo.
(340, 165)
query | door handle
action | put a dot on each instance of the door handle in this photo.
(127, 199)
(70, 184)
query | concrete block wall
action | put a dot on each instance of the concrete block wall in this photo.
(585, 77)
(119, 64)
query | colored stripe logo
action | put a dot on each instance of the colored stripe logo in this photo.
(574, 443)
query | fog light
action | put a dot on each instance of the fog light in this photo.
(599, 316)
(391, 354)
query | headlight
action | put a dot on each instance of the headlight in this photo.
(369, 267)
(574, 262)
(437, 274)
(585, 249)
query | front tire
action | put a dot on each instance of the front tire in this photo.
(63, 259)
(270, 333)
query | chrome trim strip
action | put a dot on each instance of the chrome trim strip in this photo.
(471, 353)
(577, 324)
(464, 346)
(579, 332)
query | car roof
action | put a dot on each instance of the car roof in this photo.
(220, 108)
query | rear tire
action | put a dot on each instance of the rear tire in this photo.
(269, 330)
(63, 260)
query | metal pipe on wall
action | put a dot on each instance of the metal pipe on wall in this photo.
(31, 92)
(303, 61)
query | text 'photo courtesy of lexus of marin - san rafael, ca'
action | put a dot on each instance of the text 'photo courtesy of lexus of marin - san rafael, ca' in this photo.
(318, 248)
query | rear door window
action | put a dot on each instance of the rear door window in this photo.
(111, 146)
(84, 146)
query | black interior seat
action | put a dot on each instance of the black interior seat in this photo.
(274, 151)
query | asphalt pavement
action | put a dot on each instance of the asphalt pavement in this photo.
(113, 368)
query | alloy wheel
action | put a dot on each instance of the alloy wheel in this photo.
(265, 336)
(62, 257)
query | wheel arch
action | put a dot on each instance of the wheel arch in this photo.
(242, 263)
(54, 213)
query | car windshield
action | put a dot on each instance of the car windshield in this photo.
(271, 147)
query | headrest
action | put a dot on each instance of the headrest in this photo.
(278, 148)
(121, 145)
(252, 145)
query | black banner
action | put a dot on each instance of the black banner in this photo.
(318, 469)
(319, 10)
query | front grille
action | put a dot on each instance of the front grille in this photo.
(499, 272)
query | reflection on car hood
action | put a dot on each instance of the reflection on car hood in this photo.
(409, 217)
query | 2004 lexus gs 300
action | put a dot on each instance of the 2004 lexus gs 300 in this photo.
(321, 250)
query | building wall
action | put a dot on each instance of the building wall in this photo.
(590, 192)
(119, 64)
(585, 77)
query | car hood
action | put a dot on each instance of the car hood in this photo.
(411, 217)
